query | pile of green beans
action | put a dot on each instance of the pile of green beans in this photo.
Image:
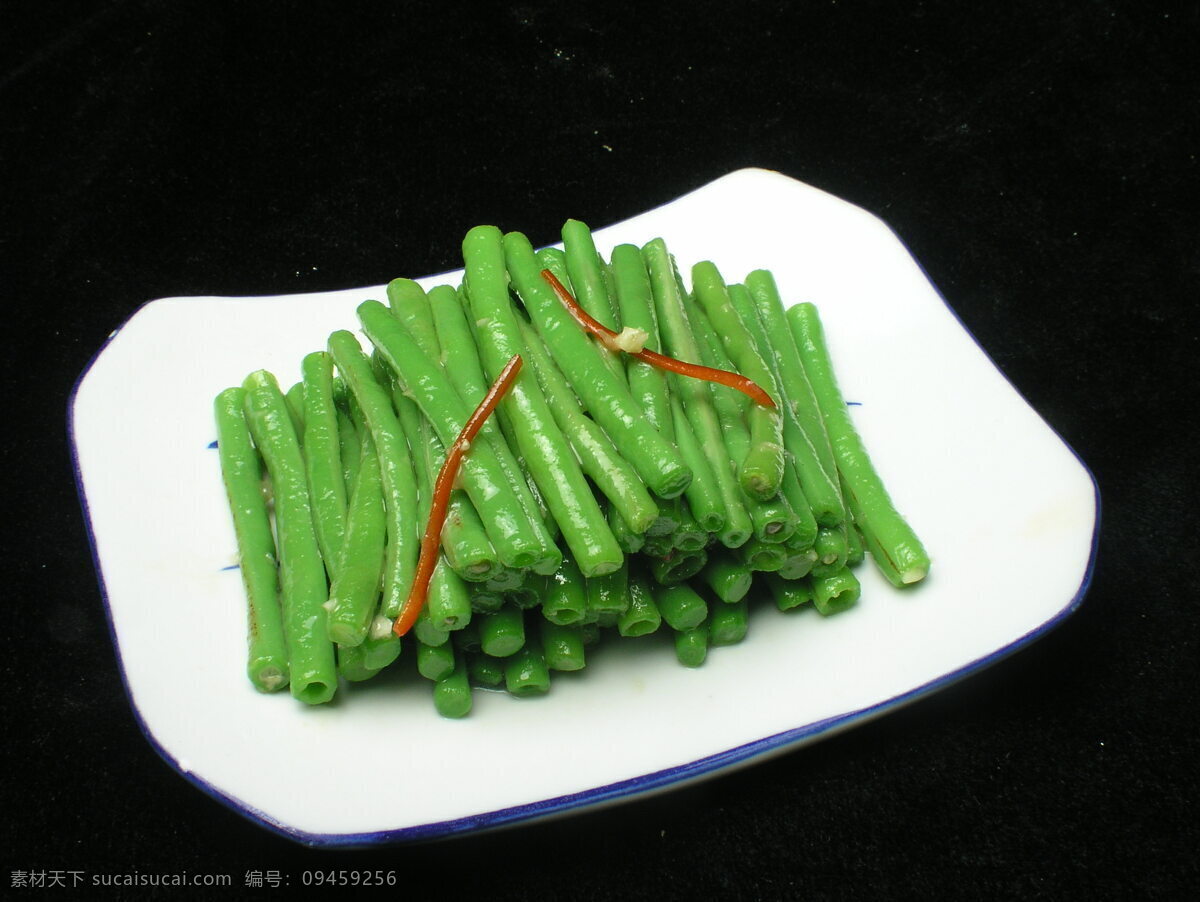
(605, 497)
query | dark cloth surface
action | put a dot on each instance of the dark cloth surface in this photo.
(1039, 160)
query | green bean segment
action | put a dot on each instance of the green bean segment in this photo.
(681, 606)
(728, 623)
(396, 468)
(506, 580)
(562, 646)
(631, 542)
(267, 661)
(467, 638)
(586, 271)
(854, 546)
(641, 616)
(350, 666)
(555, 260)
(294, 399)
(524, 597)
(323, 458)
(836, 592)
(502, 633)
(762, 556)
(805, 533)
(452, 693)
(410, 305)
(435, 662)
(350, 449)
(565, 598)
(526, 673)
(428, 632)
(880, 522)
(789, 593)
(354, 593)
(312, 668)
(729, 579)
(703, 494)
(798, 564)
(689, 536)
(691, 646)
(647, 384)
(484, 600)
(484, 670)
(608, 594)
(761, 473)
(730, 405)
(449, 601)
(831, 546)
(677, 566)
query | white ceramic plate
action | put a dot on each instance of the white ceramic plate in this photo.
(1007, 511)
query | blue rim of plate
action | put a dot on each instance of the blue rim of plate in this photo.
(624, 790)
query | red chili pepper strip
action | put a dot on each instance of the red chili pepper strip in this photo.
(442, 487)
(608, 338)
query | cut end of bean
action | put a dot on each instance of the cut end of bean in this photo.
(478, 572)
(638, 628)
(271, 679)
(452, 693)
(673, 483)
(599, 568)
(454, 704)
(523, 560)
(698, 541)
(762, 472)
(835, 604)
(732, 537)
(527, 690)
(547, 564)
(344, 634)
(562, 616)
(691, 646)
(678, 567)
(314, 693)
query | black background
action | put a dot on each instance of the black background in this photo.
(1039, 159)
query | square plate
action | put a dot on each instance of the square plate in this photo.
(1007, 511)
